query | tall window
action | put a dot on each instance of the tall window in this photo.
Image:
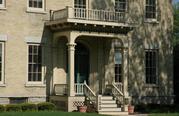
(118, 65)
(1, 63)
(80, 6)
(151, 60)
(35, 63)
(150, 9)
(80, 3)
(2, 4)
(120, 5)
(36, 5)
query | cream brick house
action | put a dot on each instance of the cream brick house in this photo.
(62, 50)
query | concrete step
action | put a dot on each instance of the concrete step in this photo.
(109, 105)
(108, 102)
(115, 113)
(110, 110)
(107, 98)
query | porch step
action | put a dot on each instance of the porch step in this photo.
(107, 98)
(109, 107)
(115, 113)
(108, 102)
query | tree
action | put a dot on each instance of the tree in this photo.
(176, 24)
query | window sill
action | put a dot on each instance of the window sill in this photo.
(2, 85)
(34, 85)
(151, 86)
(3, 8)
(155, 21)
(36, 11)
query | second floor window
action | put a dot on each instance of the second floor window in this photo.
(2, 3)
(120, 5)
(150, 9)
(35, 63)
(36, 5)
(80, 3)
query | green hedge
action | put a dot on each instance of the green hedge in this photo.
(28, 107)
(13, 108)
(2, 108)
(46, 106)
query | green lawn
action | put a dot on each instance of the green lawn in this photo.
(165, 114)
(47, 114)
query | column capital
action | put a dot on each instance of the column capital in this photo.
(71, 44)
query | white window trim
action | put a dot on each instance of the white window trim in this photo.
(151, 20)
(36, 10)
(2, 6)
(2, 82)
(38, 83)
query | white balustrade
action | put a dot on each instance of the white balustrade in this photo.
(89, 14)
(79, 89)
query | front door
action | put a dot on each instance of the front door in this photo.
(81, 64)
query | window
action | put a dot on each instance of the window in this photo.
(118, 65)
(120, 5)
(37, 5)
(79, 6)
(35, 63)
(1, 63)
(17, 100)
(2, 4)
(151, 60)
(150, 9)
(80, 3)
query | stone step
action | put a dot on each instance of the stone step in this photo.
(107, 98)
(110, 110)
(115, 113)
(108, 102)
(109, 105)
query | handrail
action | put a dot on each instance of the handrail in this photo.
(90, 95)
(118, 90)
(117, 93)
(89, 88)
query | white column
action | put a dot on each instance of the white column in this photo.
(71, 69)
(125, 78)
(125, 72)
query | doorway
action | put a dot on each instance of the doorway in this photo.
(81, 63)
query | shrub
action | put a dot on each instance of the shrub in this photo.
(46, 106)
(13, 107)
(28, 107)
(2, 108)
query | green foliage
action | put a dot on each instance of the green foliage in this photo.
(46, 106)
(13, 107)
(28, 107)
(176, 24)
(156, 108)
(2, 108)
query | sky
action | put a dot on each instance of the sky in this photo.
(176, 0)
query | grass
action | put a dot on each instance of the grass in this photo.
(47, 114)
(164, 114)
